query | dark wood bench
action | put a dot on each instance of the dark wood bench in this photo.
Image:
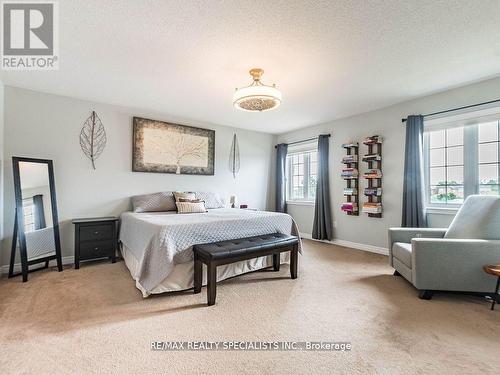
(232, 251)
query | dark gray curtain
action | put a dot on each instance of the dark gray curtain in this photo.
(413, 186)
(322, 225)
(281, 151)
(39, 212)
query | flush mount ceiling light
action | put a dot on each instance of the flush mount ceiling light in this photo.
(257, 97)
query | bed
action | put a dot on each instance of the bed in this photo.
(157, 246)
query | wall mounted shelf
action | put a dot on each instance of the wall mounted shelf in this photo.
(373, 176)
(351, 175)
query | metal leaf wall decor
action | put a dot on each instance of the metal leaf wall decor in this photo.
(234, 157)
(93, 138)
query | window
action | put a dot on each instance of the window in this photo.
(461, 161)
(489, 155)
(301, 172)
(446, 163)
(29, 215)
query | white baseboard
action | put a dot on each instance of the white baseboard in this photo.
(354, 245)
(359, 246)
(17, 267)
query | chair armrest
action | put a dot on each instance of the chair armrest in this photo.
(458, 245)
(406, 235)
(446, 262)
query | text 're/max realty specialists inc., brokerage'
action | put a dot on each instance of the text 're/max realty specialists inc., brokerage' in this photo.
(336, 346)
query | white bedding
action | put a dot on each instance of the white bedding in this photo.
(40, 243)
(161, 240)
(181, 277)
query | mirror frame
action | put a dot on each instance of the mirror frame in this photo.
(19, 232)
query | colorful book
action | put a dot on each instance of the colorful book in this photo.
(373, 173)
(349, 207)
(349, 145)
(349, 173)
(372, 157)
(373, 191)
(374, 139)
(350, 159)
(372, 208)
(350, 191)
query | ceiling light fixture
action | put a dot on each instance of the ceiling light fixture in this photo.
(257, 97)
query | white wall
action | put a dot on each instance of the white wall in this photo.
(387, 123)
(1, 163)
(48, 126)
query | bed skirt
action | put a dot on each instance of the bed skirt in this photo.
(181, 277)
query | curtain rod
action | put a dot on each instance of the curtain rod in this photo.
(304, 140)
(457, 109)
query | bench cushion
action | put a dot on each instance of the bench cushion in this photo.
(244, 246)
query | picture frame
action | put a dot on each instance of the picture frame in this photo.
(163, 147)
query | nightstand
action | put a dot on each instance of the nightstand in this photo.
(95, 238)
(245, 207)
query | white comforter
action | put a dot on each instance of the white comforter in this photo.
(160, 240)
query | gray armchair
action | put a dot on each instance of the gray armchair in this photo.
(440, 259)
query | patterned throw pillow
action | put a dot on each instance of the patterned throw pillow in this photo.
(190, 207)
(162, 201)
(190, 200)
(183, 195)
(212, 200)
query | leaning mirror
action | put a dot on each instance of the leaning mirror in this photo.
(36, 227)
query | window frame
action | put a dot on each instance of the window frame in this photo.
(479, 163)
(28, 203)
(306, 200)
(471, 163)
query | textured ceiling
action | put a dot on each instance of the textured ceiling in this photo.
(331, 59)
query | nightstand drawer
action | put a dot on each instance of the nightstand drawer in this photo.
(97, 249)
(96, 232)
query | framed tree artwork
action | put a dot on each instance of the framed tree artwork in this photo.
(162, 147)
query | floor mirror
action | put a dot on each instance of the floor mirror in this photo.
(36, 226)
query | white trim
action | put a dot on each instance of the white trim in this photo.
(353, 245)
(302, 147)
(17, 267)
(442, 210)
(301, 203)
(465, 117)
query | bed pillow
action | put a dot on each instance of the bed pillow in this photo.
(212, 200)
(189, 200)
(162, 201)
(183, 195)
(190, 207)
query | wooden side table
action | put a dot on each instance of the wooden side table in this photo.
(495, 271)
(95, 238)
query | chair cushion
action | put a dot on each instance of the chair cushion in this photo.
(242, 246)
(478, 218)
(402, 251)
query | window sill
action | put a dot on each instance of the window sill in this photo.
(300, 203)
(442, 210)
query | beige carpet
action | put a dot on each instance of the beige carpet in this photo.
(93, 320)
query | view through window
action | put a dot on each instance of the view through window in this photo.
(302, 175)
(461, 161)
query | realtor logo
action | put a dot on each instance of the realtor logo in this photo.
(30, 35)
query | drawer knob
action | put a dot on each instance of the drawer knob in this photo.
(96, 232)
(96, 248)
